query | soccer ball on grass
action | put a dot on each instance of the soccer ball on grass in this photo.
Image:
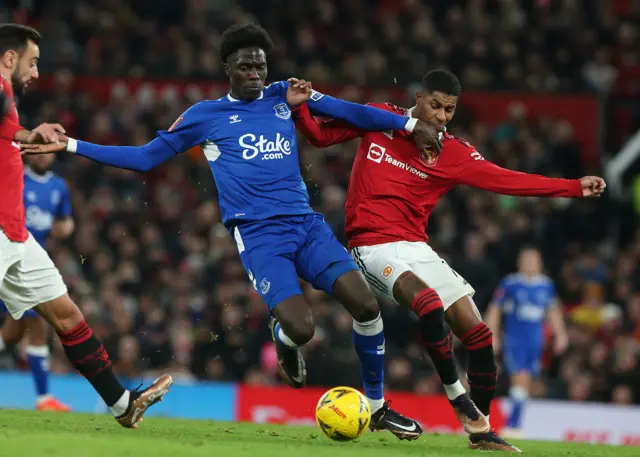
(343, 414)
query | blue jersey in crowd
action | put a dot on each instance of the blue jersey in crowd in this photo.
(46, 199)
(524, 303)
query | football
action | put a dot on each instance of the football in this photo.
(343, 414)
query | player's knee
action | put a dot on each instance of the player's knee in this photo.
(367, 311)
(299, 331)
(62, 313)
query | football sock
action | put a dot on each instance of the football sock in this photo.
(90, 358)
(368, 339)
(518, 396)
(482, 371)
(284, 338)
(437, 339)
(38, 359)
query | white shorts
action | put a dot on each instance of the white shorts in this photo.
(383, 264)
(28, 276)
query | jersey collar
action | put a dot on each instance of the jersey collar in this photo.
(231, 99)
(36, 177)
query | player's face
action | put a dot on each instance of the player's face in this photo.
(26, 70)
(530, 262)
(247, 71)
(40, 163)
(436, 107)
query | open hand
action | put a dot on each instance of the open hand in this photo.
(592, 186)
(46, 133)
(299, 91)
(28, 149)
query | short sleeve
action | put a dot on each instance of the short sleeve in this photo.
(191, 128)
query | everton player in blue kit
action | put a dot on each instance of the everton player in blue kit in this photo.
(249, 140)
(523, 300)
(48, 213)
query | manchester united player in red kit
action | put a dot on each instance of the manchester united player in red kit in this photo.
(394, 187)
(28, 277)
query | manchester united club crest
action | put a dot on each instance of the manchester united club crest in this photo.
(429, 157)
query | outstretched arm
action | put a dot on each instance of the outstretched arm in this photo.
(361, 116)
(489, 176)
(323, 134)
(137, 158)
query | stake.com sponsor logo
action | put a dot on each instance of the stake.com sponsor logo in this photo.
(378, 153)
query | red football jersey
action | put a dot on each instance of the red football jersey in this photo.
(12, 219)
(392, 191)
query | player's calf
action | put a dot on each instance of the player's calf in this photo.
(292, 327)
(87, 354)
(482, 371)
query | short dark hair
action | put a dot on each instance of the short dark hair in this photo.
(441, 81)
(15, 37)
(244, 36)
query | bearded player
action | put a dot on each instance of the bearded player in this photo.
(48, 215)
(393, 189)
(28, 277)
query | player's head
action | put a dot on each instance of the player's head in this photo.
(244, 52)
(530, 261)
(437, 99)
(40, 163)
(20, 50)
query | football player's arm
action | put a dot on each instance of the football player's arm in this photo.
(474, 171)
(555, 318)
(363, 117)
(489, 176)
(64, 225)
(323, 134)
(493, 316)
(190, 130)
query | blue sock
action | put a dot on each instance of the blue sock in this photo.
(518, 397)
(368, 339)
(38, 358)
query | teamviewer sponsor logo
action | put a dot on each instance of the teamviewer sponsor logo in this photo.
(376, 152)
(406, 167)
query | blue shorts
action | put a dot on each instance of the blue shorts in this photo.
(28, 313)
(520, 358)
(275, 252)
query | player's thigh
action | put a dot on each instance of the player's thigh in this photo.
(321, 259)
(435, 272)
(381, 267)
(268, 261)
(31, 281)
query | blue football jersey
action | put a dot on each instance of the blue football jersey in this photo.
(46, 198)
(252, 151)
(524, 303)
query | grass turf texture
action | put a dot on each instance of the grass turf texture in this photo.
(34, 434)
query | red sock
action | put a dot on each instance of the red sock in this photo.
(90, 358)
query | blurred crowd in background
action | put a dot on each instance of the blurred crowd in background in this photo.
(159, 278)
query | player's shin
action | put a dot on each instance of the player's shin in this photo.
(518, 395)
(38, 359)
(482, 371)
(368, 339)
(437, 340)
(90, 358)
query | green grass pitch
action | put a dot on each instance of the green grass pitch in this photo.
(35, 434)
